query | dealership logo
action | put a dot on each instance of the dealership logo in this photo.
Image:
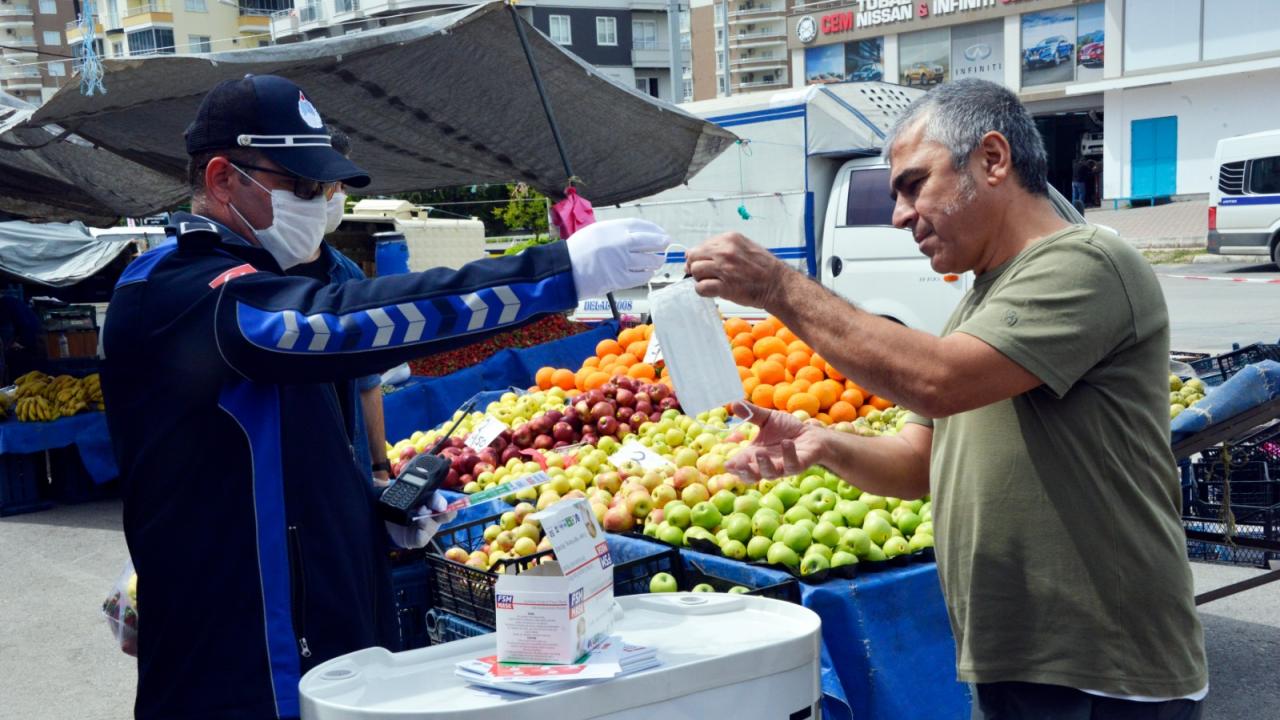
(977, 53)
(806, 29)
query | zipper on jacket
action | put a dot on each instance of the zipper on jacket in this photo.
(298, 589)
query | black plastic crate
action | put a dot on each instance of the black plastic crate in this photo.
(71, 483)
(466, 591)
(1219, 368)
(410, 587)
(1262, 446)
(632, 577)
(444, 627)
(20, 479)
(691, 574)
(1250, 485)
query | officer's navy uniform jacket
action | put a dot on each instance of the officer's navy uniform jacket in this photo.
(252, 529)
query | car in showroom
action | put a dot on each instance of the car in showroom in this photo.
(924, 74)
(1049, 51)
(1090, 55)
(869, 72)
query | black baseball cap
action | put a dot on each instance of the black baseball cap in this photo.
(271, 115)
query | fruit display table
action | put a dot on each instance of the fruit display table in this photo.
(87, 431)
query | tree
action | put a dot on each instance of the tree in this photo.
(526, 209)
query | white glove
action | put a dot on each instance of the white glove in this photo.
(615, 255)
(416, 536)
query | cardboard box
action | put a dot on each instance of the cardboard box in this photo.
(71, 344)
(557, 612)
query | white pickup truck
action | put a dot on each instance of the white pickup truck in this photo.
(807, 182)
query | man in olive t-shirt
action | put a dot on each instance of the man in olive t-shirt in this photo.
(1055, 495)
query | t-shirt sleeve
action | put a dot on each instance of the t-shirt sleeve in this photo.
(1059, 314)
(919, 420)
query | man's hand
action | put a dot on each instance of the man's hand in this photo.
(420, 533)
(735, 268)
(615, 255)
(784, 446)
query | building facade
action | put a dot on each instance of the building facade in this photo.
(33, 47)
(1145, 88)
(132, 28)
(758, 58)
(628, 41)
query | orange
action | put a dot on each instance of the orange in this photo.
(770, 372)
(648, 331)
(811, 373)
(801, 385)
(638, 348)
(736, 325)
(766, 346)
(842, 411)
(562, 379)
(827, 392)
(592, 361)
(762, 395)
(607, 360)
(743, 339)
(595, 380)
(799, 346)
(744, 373)
(865, 410)
(803, 401)
(607, 347)
(668, 382)
(797, 360)
(778, 358)
(852, 397)
(762, 330)
(743, 356)
(543, 378)
(627, 360)
(823, 418)
(818, 361)
(879, 403)
(749, 384)
(644, 371)
(781, 394)
(785, 335)
(851, 385)
(833, 373)
(630, 335)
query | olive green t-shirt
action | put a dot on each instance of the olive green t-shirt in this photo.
(1059, 542)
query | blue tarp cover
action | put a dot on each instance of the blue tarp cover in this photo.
(1252, 386)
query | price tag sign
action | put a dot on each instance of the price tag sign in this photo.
(632, 451)
(653, 353)
(484, 435)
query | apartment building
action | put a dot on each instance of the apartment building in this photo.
(758, 59)
(130, 28)
(33, 47)
(626, 40)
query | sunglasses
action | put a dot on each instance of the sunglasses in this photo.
(303, 188)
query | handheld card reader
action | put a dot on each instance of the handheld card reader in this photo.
(421, 477)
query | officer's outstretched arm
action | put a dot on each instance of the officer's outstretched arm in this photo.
(286, 329)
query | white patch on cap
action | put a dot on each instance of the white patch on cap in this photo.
(309, 113)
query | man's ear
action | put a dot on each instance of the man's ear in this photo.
(218, 177)
(995, 159)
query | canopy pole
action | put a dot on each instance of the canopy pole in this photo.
(551, 119)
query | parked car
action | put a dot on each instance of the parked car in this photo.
(1090, 55)
(925, 74)
(1244, 200)
(1050, 51)
(868, 72)
(1091, 144)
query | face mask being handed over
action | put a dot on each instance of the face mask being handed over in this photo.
(333, 208)
(296, 229)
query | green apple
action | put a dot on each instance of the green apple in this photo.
(525, 547)
(739, 590)
(706, 515)
(723, 501)
(895, 546)
(858, 540)
(780, 554)
(685, 457)
(797, 538)
(738, 527)
(677, 514)
(892, 502)
(806, 524)
(919, 542)
(841, 558)
(765, 522)
(894, 531)
(875, 502)
(670, 534)
(780, 532)
(914, 505)
(695, 494)
(491, 532)
(758, 547)
(853, 511)
(819, 549)
(698, 533)
(908, 522)
(734, 549)
(703, 587)
(881, 512)
(875, 554)
(662, 583)
(798, 512)
(877, 528)
(770, 501)
(814, 564)
(788, 494)
(827, 534)
(847, 491)
(924, 528)
(746, 504)
(833, 517)
(822, 500)
(810, 483)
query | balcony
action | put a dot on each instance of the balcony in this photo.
(284, 24)
(254, 23)
(346, 9)
(16, 17)
(388, 7)
(768, 59)
(779, 81)
(147, 13)
(147, 7)
(807, 7)
(9, 74)
(755, 11)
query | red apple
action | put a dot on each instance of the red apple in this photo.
(618, 520)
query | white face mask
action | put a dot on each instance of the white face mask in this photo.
(333, 209)
(297, 227)
(698, 356)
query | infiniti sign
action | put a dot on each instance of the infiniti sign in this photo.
(977, 53)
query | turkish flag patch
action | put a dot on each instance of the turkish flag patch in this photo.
(235, 272)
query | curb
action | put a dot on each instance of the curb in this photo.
(1211, 259)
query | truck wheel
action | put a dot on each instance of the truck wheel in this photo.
(1275, 250)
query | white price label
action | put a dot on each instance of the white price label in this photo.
(653, 353)
(632, 451)
(484, 435)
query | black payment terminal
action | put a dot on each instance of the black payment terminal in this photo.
(421, 477)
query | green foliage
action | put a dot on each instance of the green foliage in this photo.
(525, 210)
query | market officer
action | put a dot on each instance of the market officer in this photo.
(1055, 494)
(251, 527)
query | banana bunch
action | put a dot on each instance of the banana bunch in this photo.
(36, 409)
(92, 385)
(67, 394)
(33, 384)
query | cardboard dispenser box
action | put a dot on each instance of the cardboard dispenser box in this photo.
(556, 612)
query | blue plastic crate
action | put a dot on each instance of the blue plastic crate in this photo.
(410, 587)
(70, 483)
(20, 477)
(445, 627)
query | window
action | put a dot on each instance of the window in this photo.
(1264, 176)
(152, 41)
(196, 6)
(869, 202)
(559, 29)
(199, 44)
(719, 60)
(57, 69)
(720, 84)
(686, 91)
(644, 34)
(648, 85)
(345, 6)
(606, 31)
(117, 49)
(48, 7)
(52, 37)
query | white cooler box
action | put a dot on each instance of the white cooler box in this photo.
(729, 656)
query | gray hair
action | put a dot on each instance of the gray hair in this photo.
(957, 115)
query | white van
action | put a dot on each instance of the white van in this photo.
(1244, 201)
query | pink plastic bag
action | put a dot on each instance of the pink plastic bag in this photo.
(572, 213)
